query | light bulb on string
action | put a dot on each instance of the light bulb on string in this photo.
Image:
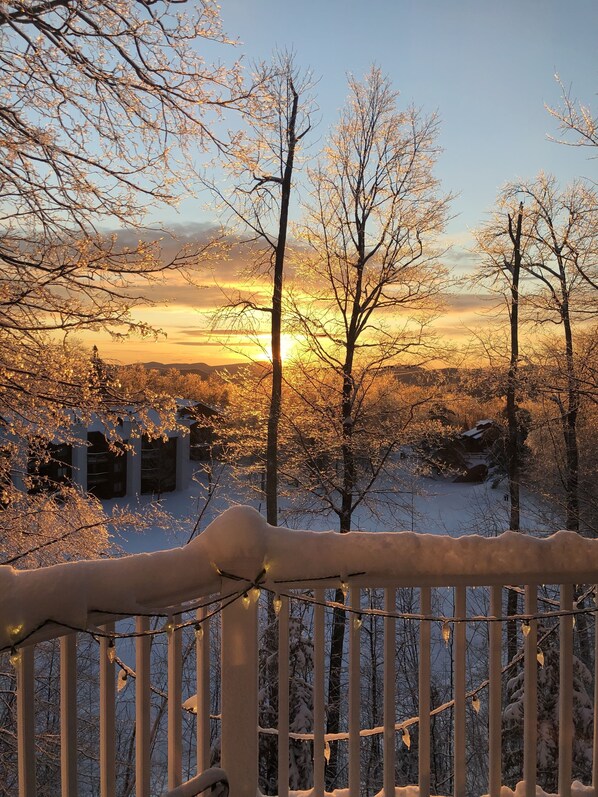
(540, 658)
(169, 626)
(357, 622)
(14, 631)
(344, 588)
(245, 600)
(15, 657)
(446, 632)
(526, 627)
(255, 594)
(277, 604)
(111, 651)
(198, 632)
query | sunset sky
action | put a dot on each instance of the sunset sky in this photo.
(487, 68)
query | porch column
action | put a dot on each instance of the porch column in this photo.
(240, 695)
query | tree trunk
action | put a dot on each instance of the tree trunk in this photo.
(276, 395)
(345, 518)
(513, 448)
(570, 427)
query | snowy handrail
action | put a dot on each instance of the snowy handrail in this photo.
(240, 542)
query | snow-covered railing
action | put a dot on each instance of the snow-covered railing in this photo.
(239, 551)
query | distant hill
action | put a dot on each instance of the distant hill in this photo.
(202, 369)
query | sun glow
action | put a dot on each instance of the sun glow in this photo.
(288, 346)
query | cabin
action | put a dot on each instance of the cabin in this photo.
(481, 437)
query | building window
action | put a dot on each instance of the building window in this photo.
(158, 465)
(106, 467)
(50, 471)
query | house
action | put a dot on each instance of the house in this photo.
(201, 418)
(482, 436)
(135, 464)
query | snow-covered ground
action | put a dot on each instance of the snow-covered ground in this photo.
(433, 505)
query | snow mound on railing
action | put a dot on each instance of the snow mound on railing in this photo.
(577, 790)
(242, 544)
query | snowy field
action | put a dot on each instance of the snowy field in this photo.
(431, 505)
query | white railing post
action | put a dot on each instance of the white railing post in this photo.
(202, 648)
(107, 718)
(566, 692)
(240, 696)
(530, 703)
(319, 706)
(283, 698)
(68, 715)
(595, 740)
(143, 708)
(25, 666)
(354, 696)
(175, 719)
(495, 694)
(425, 636)
(459, 687)
(390, 652)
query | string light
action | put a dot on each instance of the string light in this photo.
(406, 739)
(111, 651)
(357, 622)
(446, 632)
(277, 604)
(198, 632)
(169, 626)
(255, 594)
(15, 657)
(475, 703)
(255, 589)
(14, 631)
(540, 658)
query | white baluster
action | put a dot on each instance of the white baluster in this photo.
(530, 701)
(107, 720)
(425, 632)
(25, 666)
(68, 715)
(390, 606)
(175, 718)
(565, 692)
(283, 698)
(459, 687)
(142, 708)
(202, 652)
(495, 694)
(595, 745)
(354, 697)
(319, 717)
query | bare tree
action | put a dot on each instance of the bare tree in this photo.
(262, 165)
(562, 248)
(501, 246)
(575, 118)
(104, 109)
(369, 283)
